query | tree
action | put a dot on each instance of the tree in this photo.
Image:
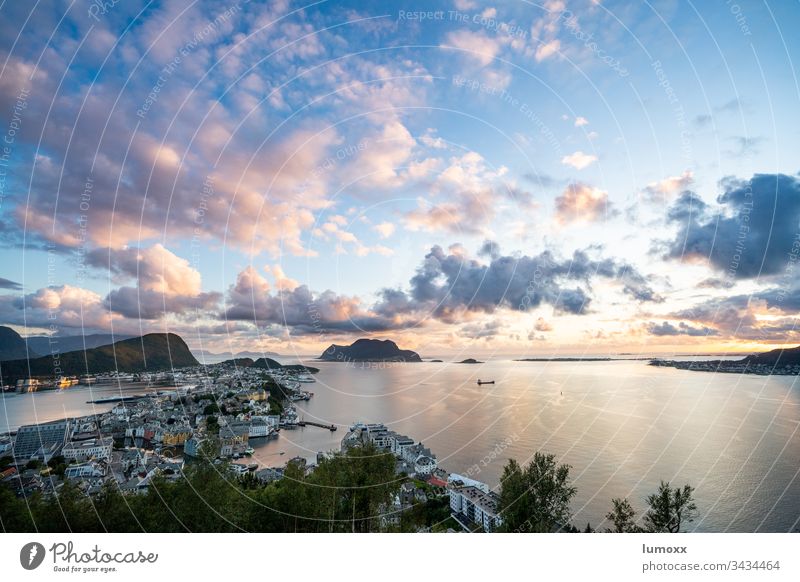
(537, 498)
(670, 508)
(622, 516)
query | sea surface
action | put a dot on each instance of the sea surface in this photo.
(621, 425)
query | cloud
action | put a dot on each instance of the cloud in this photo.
(669, 186)
(8, 284)
(579, 160)
(155, 268)
(166, 284)
(464, 197)
(479, 45)
(582, 203)
(752, 233)
(449, 286)
(667, 329)
(542, 325)
(485, 331)
(547, 49)
(64, 306)
(384, 229)
(299, 310)
(745, 146)
(715, 283)
(581, 121)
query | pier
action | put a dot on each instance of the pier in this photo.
(330, 427)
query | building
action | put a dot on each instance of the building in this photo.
(176, 435)
(260, 428)
(41, 441)
(88, 470)
(99, 448)
(472, 506)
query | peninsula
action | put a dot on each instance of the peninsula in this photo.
(779, 362)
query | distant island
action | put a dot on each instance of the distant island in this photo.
(149, 353)
(208, 358)
(779, 362)
(269, 364)
(469, 361)
(578, 359)
(369, 350)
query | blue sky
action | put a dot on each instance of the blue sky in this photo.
(512, 177)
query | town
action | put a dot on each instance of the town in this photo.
(218, 412)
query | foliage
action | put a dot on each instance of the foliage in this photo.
(669, 509)
(345, 493)
(536, 498)
(622, 516)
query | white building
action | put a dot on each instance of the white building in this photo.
(425, 465)
(90, 449)
(471, 505)
(259, 429)
(86, 470)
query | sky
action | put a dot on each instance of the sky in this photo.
(492, 178)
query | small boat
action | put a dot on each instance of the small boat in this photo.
(482, 382)
(249, 451)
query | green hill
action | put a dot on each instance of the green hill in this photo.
(777, 358)
(12, 345)
(270, 364)
(151, 352)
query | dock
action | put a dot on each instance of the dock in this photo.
(330, 427)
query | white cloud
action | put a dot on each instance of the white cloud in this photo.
(548, 49)
(384, 229)
(579, 160)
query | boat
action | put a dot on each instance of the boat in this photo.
(482, 382)
(249, 451)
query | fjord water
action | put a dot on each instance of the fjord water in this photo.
(622, 426)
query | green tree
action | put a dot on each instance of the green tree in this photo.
(536, 498)
(669, 509)
(622, 516)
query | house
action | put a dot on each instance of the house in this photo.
(87, 470)
(99, 448)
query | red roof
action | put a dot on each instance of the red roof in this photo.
(437, 482)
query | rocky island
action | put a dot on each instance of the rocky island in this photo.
(369, 350)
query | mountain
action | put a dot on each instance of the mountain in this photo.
(42, 344)
(217, 357)
(778, 358)
(369, 350)
(154, 351)
(12, 345)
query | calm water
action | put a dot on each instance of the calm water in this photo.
(622, 425)
(35, 407)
